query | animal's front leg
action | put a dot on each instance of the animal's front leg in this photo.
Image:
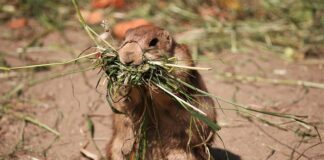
(180, 154)
(121, 144)
(124, 99)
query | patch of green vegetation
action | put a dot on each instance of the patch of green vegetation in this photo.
(271, 24)
(50, 14)
(212, 26)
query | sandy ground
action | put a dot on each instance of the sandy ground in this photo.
(67, 103)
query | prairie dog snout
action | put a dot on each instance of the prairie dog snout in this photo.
(145, 43)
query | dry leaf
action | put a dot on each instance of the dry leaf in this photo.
(107, 3)
(229, 4)
(89, 154)
(120, 29)
(17, 23)
(95, 17)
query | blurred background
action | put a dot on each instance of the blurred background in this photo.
(265, 53)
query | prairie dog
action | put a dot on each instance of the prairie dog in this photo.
(168, 130)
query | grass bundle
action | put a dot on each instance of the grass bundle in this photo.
(149, 74)
(152, 73)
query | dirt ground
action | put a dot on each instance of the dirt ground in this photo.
(67, 103)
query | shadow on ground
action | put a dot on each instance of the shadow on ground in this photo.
(220, 154)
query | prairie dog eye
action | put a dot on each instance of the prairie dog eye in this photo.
(153, 42)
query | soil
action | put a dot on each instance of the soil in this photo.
(67, 103)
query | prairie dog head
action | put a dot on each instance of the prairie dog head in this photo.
(145, 43)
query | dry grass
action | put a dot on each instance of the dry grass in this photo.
(158, 74)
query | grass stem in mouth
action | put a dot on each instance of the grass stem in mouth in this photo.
(180, 99)
(160, 63)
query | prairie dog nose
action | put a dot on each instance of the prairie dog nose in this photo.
(131, 54)
(128, 58)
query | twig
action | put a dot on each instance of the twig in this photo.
(250, 79)
(33, 121)
(47, 64)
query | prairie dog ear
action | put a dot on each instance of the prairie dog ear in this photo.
(168, 38)
(129, 32)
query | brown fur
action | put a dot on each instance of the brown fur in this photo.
(168, 123)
